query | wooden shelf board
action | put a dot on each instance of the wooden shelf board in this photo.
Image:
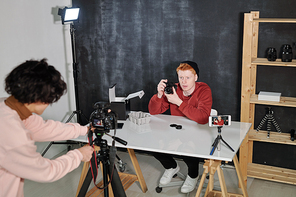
(272, 173)
(284, 101)
(275, 20)
(278, 62)
(219, 194)
(275, 137)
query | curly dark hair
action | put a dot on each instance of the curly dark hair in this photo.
(35, 81)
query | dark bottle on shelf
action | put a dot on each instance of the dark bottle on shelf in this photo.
(271, 54)
(287, 54)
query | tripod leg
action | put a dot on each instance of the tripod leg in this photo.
(227, 144)
(268, 126)
(46, 149)
(275, 124)
(214, 145)
(262, 123)
(116, 184)
(85, 184)
(105, 179)
(82, 176)
(215, 142)
(213, 150)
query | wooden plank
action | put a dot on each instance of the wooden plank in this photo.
(246, 68)
(255, 31)
(273, 170)
(272, 173)
(250, 151)
(246, 88)
(219, 194)
(222, 182)
(82, 176)
(138, 170)
(278, 62)
(276, 20)
(275, 137)
(284, 101)
(240, 176)
(201, 183)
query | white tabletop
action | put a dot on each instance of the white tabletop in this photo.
(192, 140)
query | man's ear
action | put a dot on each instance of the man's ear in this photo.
(196, 77)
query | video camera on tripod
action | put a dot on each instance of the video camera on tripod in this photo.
(103, 120)
(219, 121)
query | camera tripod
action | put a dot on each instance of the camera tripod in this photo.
(217, 142)
(270, 119)
(105, 156)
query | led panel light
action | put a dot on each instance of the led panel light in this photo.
(69, 14)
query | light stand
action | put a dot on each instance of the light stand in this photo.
(78, 112)
(70, 15)
(217, 142)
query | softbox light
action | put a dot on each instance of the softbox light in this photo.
(69, 14)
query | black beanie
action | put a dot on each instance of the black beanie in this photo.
(193, 65)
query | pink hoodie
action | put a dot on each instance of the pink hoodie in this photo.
(18, 157)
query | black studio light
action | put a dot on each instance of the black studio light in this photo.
(69, 14)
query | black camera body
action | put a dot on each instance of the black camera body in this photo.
(169, 87)
(103, 118)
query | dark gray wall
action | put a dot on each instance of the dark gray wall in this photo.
(135, 43)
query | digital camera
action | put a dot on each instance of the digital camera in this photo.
(169, 87)
(103, 118)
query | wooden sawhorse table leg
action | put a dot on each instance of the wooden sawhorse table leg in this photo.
(126, 179)
(211, 166)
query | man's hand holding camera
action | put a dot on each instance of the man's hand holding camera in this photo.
(172, 97)
(160, 87)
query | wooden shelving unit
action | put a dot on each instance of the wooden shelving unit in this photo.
(249, 99)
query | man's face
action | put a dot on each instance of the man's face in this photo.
(187, 79)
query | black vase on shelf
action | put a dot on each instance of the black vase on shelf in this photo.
(287, 54)
(271, 54)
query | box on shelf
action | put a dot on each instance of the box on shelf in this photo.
(121, 105)
(269, 96)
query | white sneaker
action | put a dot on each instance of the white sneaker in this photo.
(168, 175)
(189, 184)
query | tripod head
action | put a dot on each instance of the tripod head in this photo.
(268, 110)
(219, 129)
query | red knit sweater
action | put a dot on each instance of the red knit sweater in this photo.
(196, 107)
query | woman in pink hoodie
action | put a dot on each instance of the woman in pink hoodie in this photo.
(33, 85)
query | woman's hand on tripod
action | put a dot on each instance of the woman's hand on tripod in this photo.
(86, 152)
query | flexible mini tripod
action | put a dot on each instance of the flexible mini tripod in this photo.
(270, 119)
(106, 156)
(217, 142)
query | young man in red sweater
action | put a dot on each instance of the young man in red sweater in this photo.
(191, 99)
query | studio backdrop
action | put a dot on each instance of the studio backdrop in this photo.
(136, 43)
